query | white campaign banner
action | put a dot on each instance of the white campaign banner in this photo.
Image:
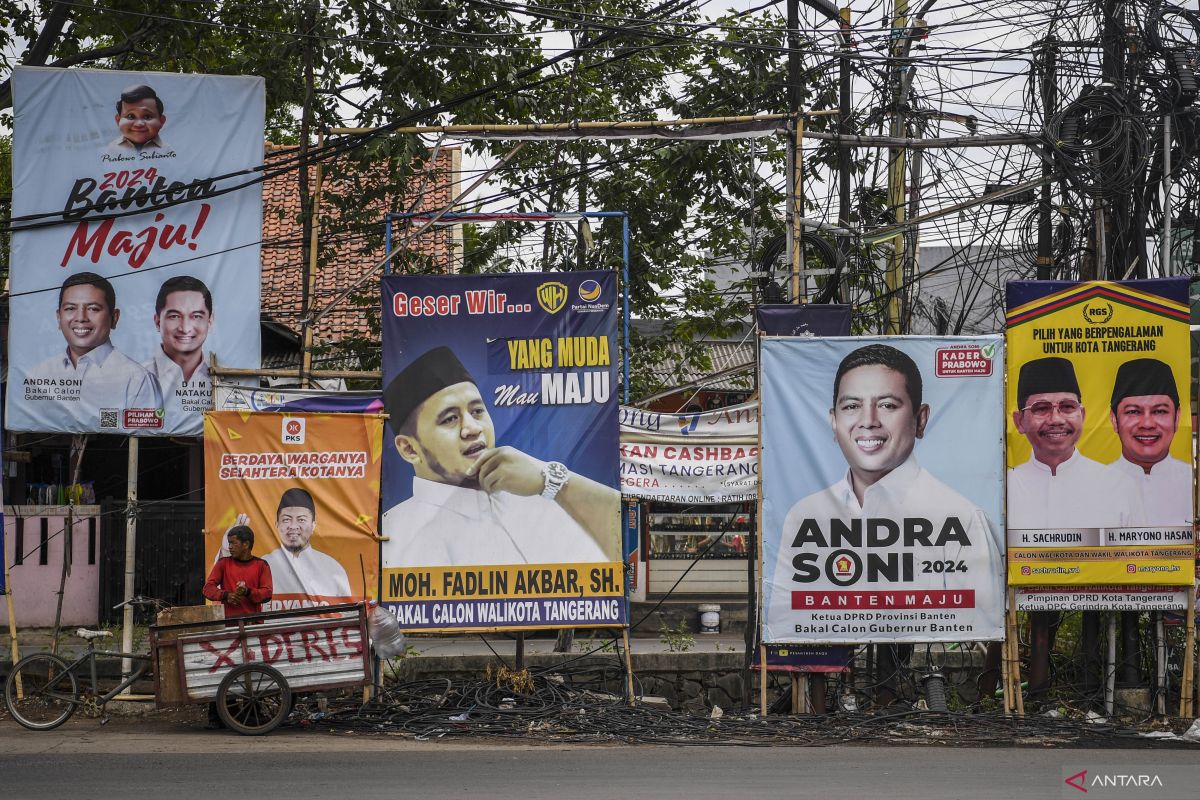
(883, 488)
(1101, 598)
(137, 217)
(735, 422)
(692, 458)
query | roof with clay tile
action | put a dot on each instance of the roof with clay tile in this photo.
(347, 255)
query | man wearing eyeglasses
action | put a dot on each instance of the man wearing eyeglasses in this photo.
(1145, 414)
(1060, 487)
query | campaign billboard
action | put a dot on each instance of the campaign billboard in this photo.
(1099, 428)
(700, 458)
(883, 489)
(137, 217)
(232, 397)
(501, 467)
(308, 487)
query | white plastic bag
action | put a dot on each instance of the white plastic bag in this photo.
(385, 633)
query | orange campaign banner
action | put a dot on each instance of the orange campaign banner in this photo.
(308, 486)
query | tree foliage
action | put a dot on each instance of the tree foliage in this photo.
(388, 62)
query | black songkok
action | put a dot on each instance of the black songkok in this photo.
(420, 380)
(1143, 376)
(296, 498)
(1046, 375)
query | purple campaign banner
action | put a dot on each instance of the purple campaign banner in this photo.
(804, 320)
(501, 447)
(805, 658)
(509, 613)
(481, 315)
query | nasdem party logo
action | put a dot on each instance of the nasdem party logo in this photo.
(589, 291)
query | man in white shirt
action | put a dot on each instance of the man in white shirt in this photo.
(877, 416)
(183, 317)
(1145, 414)
(88, 386)
(1059, 488)
(473, 502)
(296, 568)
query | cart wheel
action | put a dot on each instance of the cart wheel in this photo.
(253, 699)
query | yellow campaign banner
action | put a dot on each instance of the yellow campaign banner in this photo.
(1099, 431)
(308, 486)
(503, 596)
(1098, 566)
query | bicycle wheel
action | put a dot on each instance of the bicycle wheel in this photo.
(253, 699)
(48, 692)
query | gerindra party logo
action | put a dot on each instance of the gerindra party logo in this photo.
(964, 361)
(888, 544)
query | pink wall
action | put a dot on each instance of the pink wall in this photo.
(35, 585)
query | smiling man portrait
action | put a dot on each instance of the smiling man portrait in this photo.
(183, 316)
(140, 118)
(297, 567)
(91, 375)
(1145, 415)
(877, 416)
(1059, 487)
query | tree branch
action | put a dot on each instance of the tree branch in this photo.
(40, 50)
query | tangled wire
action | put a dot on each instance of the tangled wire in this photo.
(549, 710)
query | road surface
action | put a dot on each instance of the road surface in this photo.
(167, 756)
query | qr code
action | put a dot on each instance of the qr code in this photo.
(110, 418)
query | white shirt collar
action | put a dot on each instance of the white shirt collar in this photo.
(164, 365)
(1066, 466)
(470, 503)
(1135, 470)
(97, 355)
(894, 483)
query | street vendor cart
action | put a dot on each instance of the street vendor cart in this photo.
(253, 666)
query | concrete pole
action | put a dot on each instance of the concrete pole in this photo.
(130, 555)
(896, 170)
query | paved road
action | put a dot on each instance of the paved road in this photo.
(169, 758)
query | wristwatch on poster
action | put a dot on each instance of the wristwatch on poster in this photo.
(555, 476)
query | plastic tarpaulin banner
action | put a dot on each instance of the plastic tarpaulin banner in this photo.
(231, 397)
(502, 507)
(1100, 489)
(135, 254)
(814, 319)
(882, 489)
(308, 486)
(694, 458)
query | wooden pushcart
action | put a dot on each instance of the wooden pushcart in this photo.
(252, 666)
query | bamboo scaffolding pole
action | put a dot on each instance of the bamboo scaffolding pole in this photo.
(799, 279)
(12, 619)
(498, 131)
(628, 666)
(1187, 689)
(627, 124)
(314, 211)
(347, 374)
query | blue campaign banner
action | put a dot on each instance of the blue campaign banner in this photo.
(501, 449)
(883, 489)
